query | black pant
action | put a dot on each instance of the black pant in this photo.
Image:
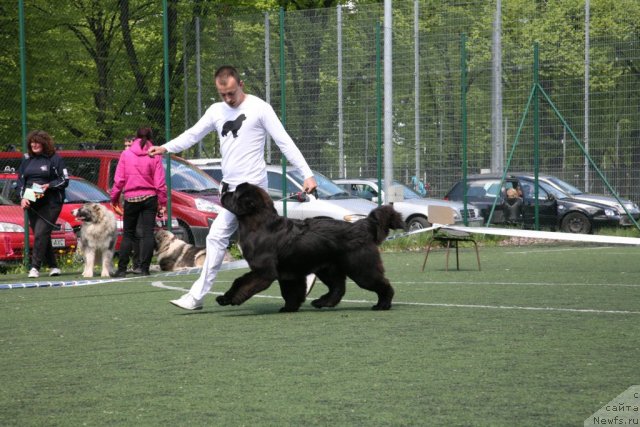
(43, 215)
(140, 215)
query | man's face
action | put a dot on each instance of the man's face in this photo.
(127, 143)
(230, 91)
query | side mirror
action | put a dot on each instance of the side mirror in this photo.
(550, 197)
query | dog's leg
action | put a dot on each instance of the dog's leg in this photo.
(89, 259)
(293, 292)
(244, 287)
(107, 263)
(369, 275)
(336, 282)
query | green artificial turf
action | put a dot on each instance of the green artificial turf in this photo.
(543, 335)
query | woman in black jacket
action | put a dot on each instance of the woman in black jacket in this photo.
(42, 178)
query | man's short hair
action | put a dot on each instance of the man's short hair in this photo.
(225, 72)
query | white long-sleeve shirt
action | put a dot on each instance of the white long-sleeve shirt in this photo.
(242, 132)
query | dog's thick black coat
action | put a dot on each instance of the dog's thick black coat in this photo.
(288, 250)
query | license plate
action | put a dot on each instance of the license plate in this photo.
(57, 243)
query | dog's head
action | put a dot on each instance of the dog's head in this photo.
(385, 218)
(163, 239)
(89, 212)
(247, 200)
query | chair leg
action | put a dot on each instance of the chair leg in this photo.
(447, 257)
(427, 255)
(477, 254)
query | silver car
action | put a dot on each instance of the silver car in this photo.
(414, 208)
(329, 200)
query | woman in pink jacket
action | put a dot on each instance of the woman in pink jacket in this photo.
(142, 181)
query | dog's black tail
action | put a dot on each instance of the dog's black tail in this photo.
(383, 219)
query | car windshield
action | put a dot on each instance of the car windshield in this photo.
(81, 191)
(327, 189)
(6, 202)
(564, 186)
(483, 188)
(189, 179)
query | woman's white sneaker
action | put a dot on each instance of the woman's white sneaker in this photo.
(33, 273)
(55, 272)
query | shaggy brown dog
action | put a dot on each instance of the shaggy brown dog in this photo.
(174, 254)
(288, 250)
(97, 238)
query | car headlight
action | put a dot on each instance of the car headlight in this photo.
(9, 227)
(610, 212)
(353, 217)
(205, 205)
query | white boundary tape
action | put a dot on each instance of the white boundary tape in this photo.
(553, 235)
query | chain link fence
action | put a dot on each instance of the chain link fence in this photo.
(332, 108)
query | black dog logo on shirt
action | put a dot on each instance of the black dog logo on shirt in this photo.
(233, 126)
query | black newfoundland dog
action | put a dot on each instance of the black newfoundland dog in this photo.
(288, 250)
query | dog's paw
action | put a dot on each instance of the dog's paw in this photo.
(286, 309)
(323, 302)
(223, 300)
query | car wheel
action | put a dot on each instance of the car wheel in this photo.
(418, 223)
(575, 222)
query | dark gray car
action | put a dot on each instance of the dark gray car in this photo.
(556, 209)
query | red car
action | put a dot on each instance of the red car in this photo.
(12, 234)
(195, 196)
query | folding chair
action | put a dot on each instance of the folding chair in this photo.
(444, 215)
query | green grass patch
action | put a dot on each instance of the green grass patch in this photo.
(543, 335)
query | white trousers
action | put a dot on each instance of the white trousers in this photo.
(217, 240)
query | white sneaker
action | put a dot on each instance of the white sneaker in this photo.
(311, 280)
(34, 273)
(187, 302)
(55, 272)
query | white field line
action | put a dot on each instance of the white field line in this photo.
(615, 285)
(427, 282)
(161, 285)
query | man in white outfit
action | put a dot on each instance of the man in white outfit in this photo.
(242, 122)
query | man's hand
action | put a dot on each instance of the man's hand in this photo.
(156, 150)
(309, 185)
(24, 203)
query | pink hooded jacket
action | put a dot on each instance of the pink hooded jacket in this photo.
(138, 174)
